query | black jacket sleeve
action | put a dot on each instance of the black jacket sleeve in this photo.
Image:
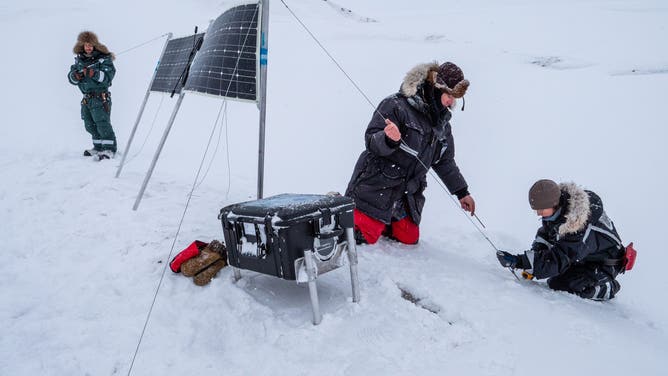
(376, 140)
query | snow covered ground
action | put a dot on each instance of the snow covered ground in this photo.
(568, 90)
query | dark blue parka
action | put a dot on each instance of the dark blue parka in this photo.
(388, 172)
(581, 234)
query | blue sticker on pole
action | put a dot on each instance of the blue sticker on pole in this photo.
(263, 56)
(263, 49)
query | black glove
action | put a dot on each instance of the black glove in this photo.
(507, 260)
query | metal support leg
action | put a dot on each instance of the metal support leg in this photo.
(312, 272)
(141, 110)
(157, 153)
(132, 134)
(236, 274)
(352, 260)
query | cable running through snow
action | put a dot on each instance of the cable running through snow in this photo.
(438, 180)
(164, 269)
(185, 210)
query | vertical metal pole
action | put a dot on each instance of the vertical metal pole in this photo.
(312, 272)
(141, 109)
(157, 153)
(264, 37)
(352, 260)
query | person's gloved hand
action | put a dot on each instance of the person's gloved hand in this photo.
(507, 260)
(90, 72)
(78, 76)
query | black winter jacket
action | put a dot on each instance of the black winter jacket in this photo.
(388, 171)
(581, 235)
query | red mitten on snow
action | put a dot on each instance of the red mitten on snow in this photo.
(191, 251)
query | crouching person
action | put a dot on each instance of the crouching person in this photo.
(577, 248)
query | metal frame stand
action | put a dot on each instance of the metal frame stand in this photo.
(237, 274)
(352, 260)
(262, 104)
(157, 152)
(141, 109)
(312, 272)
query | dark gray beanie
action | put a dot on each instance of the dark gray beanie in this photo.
(544, 194)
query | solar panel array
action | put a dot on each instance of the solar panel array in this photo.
(227, 63)
(174, 61)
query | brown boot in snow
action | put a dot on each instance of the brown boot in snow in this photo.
(199, 262)
(218, 247)
(205, 276)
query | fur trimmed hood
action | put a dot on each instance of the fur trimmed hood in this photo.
(429, 72)
(90, 37)
(415, 77)
(579, 209)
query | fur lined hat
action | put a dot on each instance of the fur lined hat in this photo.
(90, 37)
(447, 77)
(450, 79)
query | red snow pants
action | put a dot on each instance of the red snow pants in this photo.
(404, 230)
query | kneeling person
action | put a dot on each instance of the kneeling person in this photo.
(577, 247)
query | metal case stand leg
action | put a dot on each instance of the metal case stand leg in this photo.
(352, 260)
(237, 274)
(312, 272)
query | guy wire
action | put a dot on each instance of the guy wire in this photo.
(384, 118)
(223, 109)
(148, 134)
(142, 44)
(440, 183)
(334, 60)
(185, 210)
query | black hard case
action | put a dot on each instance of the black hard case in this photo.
(292, 223)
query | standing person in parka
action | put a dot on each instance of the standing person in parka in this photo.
(577, 247)
(92, 72)
(408, 134)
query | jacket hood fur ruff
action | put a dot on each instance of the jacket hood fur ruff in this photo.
(428, 72)
(578, 209)
(415, 77)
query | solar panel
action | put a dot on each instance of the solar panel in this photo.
(227, 63)
(173, 63)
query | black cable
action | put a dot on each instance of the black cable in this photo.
(197, 43)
